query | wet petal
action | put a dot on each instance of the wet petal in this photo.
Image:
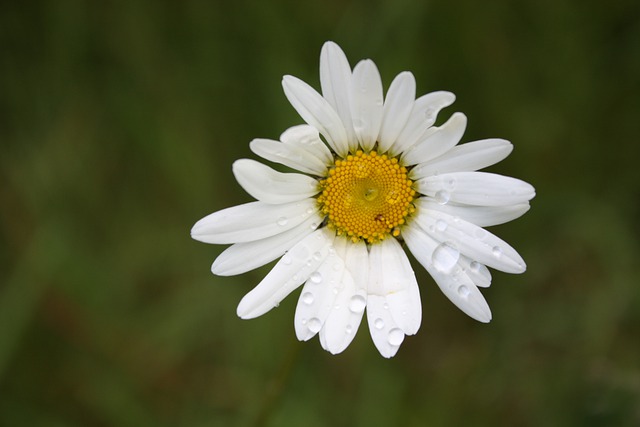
(271, 186)
(397, 108)
(438, 141)
(307, 138)
(471, 156)
(289, 155)
(251, 221)
(482, 216)
(316, 111)
(243, 257)
(471, 240)
(366, 103)
(293, 269)
(335, 80)
(476, 188)
(455, 283)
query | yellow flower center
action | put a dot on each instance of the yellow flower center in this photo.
(367, 196)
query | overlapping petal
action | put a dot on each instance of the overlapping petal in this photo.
(397, 109)
(366, 103)
(251, 221)
(270, 186)
(293, 269)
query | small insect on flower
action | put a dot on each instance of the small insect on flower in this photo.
(374, 172)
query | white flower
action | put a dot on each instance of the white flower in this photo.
(382, 175)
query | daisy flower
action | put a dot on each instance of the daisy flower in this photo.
(374, 176)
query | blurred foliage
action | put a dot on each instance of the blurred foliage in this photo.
(119, 122)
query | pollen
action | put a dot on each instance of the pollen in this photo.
(367, 196)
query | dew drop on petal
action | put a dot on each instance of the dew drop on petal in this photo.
(445, 257)
(314, 325)
(497, 251)
(282, 221)
(357, 303)
(396, 336)
(316, 277)
(313, 226)
(348, 329)
(378, 323)
(307, 298)
(474, 266)
(441, 225)
(385, 306)
(317, 256)
(442, 197)
(463, 291)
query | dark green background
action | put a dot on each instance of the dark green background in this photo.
(119, 122)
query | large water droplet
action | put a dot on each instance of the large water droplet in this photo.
(282, 221)
(316, 277)
(445, 257)
(441, 225)
(378, 323)
(307, 298)
(396, 336)
(497, 251)
(314, 325)
(442, 197)
(463, 291)
(286, 259)
(357, 303)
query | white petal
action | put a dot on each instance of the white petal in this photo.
(307, 138)
(251, 221)
(289, 155)
(423, 116)
(385, 333)
(482, 216)
(455, 284)
(318, 295)
(478, 273)
(316, 111)
(291, 271)
(471, 240)
(397, 108)
(366, 103)
(476, 188)
(335, 80)
(438, 141)
(466, 157)
(271, 186)
(357, 262)
(342, 324)
(243, 257)
(392, 277)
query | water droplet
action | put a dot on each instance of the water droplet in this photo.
(335, 290)
(307, 298)
(441, 225)
(286, 259)
(357, 303)
(282, 221)
(310, 210)
(313, 226)
(396, 336)
(314, 325)
(429, 112)
(317, 256)
(474, 266)
(316, 277)
(442, 197)
(378, 323)
(451, 183)
(463, 291)
(348, 329)
(497, 251)
(385, 306)
(332, 251)
(445, 257)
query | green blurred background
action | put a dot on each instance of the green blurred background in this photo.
(119, 122)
